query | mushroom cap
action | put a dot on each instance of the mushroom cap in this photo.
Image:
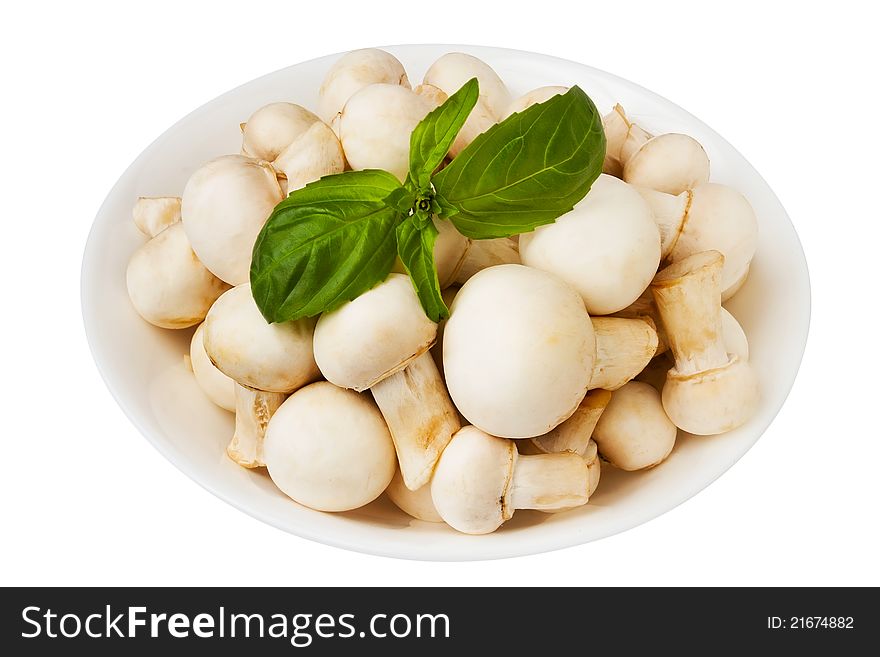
(607, 247)
(634, 432)
(218, 387)
(224, 206)
(471, 480)
(719, 218)
(376, 126)
(712, 401)
(373, 336)
(354, 71)
(272, 128)
(329, 448)
(453, 69)
(315, 153)
(417, 503)
(244, 346)
(670, 163)
(168, 285)
(518, 351)
(533, 97)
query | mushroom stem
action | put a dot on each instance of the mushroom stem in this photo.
(420, 416)
(253, 410)
(574, 434)
(313, 154)
(616, 127)
(487, 253)
(688, 297)
(669, 213)
(709, 391)
(623, 348)
(549, 482)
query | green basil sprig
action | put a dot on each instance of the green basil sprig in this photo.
(336, 238)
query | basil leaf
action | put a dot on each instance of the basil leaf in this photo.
(525, 171)
(415, 244)
(434, 134)
(325, 244)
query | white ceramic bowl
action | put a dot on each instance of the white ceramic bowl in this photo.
(144, 369)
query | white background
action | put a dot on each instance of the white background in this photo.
(86, 86)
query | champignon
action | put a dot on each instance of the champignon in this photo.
(709, 390)
(417, 503)
(354, 71)
(272, 128)
(481, 480)
(376, 125)
(224, 206)
(450, 72)
(518, 351)
(315, 153)
(168, 285)
(381, 341)
(244, 346)
(329, 448)
(218, 387)
(607, 247)
(670, 163)
(710, 216)
(634, 432)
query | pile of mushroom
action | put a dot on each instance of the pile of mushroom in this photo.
(595, 341)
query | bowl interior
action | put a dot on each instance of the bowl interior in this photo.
(144, 368)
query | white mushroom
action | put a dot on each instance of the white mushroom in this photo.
(153, 214)
(253, 410)
(224, 206)
(167, 284)
(623, 348)
(218, 387)
(710, 216)
(272, 128)
(481, 480)
(453, 69)
(376, 125)
(575, 433)
(244, 346)
(709, 390)
(634, 432)
(533, 97)
(607, 247)
(518, 351)
(354, 71)
(487, 253)
(381, 341)
(670, 163)
(417, 503)
(315, 153)
(329, 448)
(450, 72)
